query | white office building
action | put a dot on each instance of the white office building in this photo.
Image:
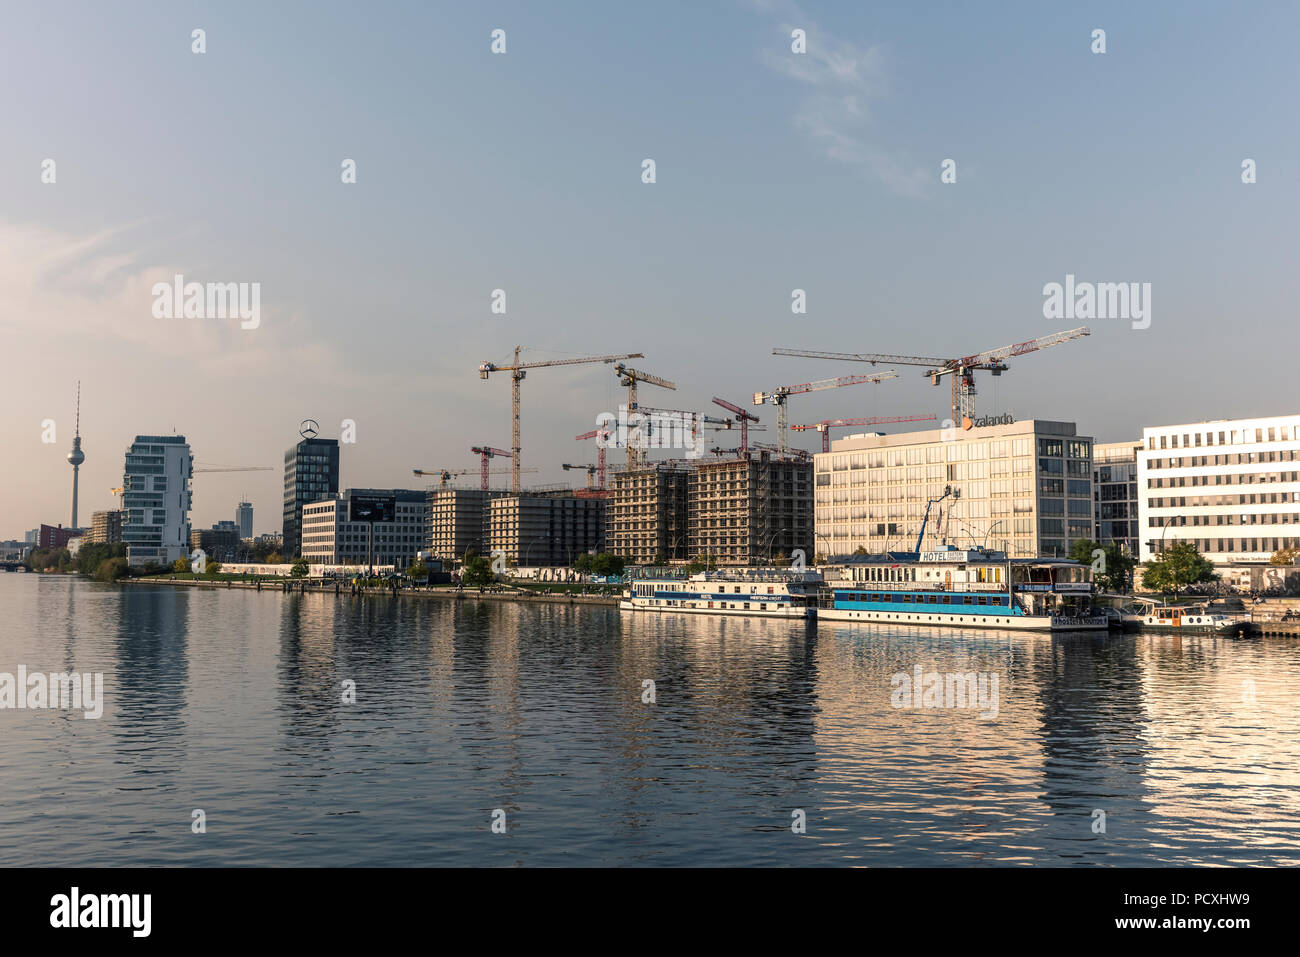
(328, 538)
(1231, 487)
(156, 499)
(1021, 487)
(1115, 494)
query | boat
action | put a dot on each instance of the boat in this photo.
(755, 592)
(963, 588)
(1150, 615)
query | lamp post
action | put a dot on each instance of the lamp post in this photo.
(771, 538)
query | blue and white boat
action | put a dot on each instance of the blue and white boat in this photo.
(753, 592)
(972, 588)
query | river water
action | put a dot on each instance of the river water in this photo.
(1096, 751)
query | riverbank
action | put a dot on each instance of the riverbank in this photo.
(285, 586)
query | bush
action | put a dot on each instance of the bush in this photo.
(181, 565)
(111, 569)
(299, 569)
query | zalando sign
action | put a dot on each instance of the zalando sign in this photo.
(987, 420)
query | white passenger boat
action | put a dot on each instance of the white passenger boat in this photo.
(1150, 615)
(756, 592)
(959, 588)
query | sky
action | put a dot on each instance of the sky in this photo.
(523, 171)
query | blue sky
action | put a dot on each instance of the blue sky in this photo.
(522, 172)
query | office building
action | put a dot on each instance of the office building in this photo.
(1021, 487)
(156, 499)
(329, 538)
(1230, 487)
(1114, 494)
(545, 527)
(220, 542)
(55, 536)
(244, 519)
(750, 511)
(311, 473)
(646, 513)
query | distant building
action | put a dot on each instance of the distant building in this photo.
(329, 538)
(220, 542)
(244, 519)
(1230, 487)
(156, 499)
(1115, 495)
(545, 527)
(311, 473)
(1024, 488)
(55, 536)
(106, 527)
(746, 511)
(646, 513)
(32, 537)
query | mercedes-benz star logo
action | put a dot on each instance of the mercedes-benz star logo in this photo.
(309, 429)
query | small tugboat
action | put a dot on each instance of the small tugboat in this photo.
(757, 592)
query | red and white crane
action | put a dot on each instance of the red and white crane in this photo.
(517, 372)
(825, 425)
(485, 454)
(602, 443)
(744, 417)
(962, 370)
(779, 396)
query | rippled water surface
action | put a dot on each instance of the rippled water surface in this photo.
(231, 701)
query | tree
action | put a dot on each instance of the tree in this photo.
(300, 569)
(861, 550)
(1285, 556)
(211, 567)
(476, 570)
(417, 570)
(1112, 569)
(181, 565)
(1177, 567)
(607, 564)
(275, 558)
(583, 562)
(111, 569)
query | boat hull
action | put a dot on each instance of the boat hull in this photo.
(788, 612)
(999, 622)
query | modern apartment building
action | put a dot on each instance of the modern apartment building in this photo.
(106, 527)
(1115, 495)
(244, 519)
(458, 522)
(156, 499)
(646, 513)
(1020, 487)
(311, 473)
(545, 528)
(329, 538)
(745, 511)
(1231, 487)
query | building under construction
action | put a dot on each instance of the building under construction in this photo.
(458, 521)
(646, 513)
(545, 526)
(750, 510)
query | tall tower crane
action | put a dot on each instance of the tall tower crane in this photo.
(779, 396)
(825, 425)
(962, 370)
(445, 475)
(743, 417)
(517, 372)
(602, 437)
(629, 377)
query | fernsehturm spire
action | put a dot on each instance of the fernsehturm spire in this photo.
(76, 457)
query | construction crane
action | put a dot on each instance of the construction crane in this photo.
(517, 373)
(629, 377)
(445, 475)
(120, 492)
(825, 425)
(591, 470)
(486, 453)
(765, 447)
(779, 396)
(962, 370)
(602, 437)
(743, 417)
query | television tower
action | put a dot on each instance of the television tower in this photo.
(76, 457)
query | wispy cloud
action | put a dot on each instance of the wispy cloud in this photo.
(842, 77)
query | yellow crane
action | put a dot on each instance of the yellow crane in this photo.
(517, 372)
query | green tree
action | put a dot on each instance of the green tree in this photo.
(476, 570)
(181, 565)
(861, 550)
(1285, 556)
(583, 562)
(300, 569)
(211, 567)
(418, 570)
(111, 569)
(1112, 569)
(1177, 567)
(274, 558)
